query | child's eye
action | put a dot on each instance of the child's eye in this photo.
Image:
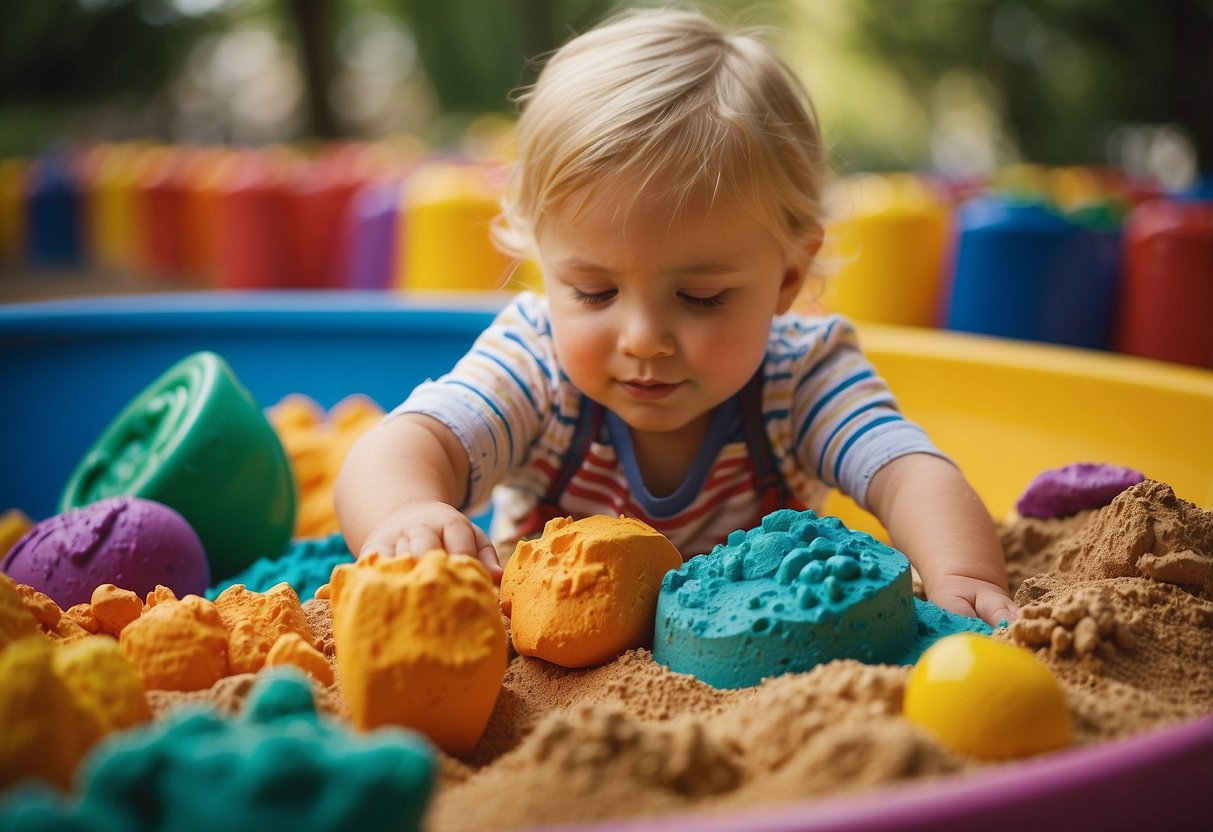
(593, 298)
(708, 302)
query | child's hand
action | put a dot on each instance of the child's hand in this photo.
(973, 597)
(419, 527)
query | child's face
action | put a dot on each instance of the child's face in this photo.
(659, 316)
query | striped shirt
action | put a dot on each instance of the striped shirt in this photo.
(831, 422)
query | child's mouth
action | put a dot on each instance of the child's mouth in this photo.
(648, 390)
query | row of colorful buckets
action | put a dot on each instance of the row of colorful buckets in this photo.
(1077, 256)
(1072, 256)
(370, 216)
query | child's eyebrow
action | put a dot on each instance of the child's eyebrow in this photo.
(577, 264)
(711, 267)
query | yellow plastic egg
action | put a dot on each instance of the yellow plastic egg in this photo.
(987, 699)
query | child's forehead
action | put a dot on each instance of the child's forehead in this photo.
(612, 226)
(613, 199)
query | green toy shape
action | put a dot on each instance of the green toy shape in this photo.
(196, 440)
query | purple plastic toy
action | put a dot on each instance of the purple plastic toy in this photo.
(132, 543)
(1060, 492)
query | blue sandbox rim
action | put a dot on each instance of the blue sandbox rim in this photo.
(72, 365)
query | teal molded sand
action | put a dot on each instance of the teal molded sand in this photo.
(280, 765)
(306, 566)
(797, 591)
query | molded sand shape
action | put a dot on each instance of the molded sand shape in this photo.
(585, 591)
(795, 592)
(420, 643)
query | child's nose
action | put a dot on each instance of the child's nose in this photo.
(645, 334)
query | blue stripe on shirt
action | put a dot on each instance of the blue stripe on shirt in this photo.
(510, 372)
(517, 339)
(874, 423)
(530, 322)
(824, 400)
(509, 433)
(850, 417)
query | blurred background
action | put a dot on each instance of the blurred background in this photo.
(955, 86)
(238, 144)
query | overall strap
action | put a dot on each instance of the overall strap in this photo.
(773, 491)
(589, 425)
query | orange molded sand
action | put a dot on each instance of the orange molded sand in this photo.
(294, 649)
(15, 620)
(45, 611)
(586, 591)
(316, 444)
(177, 645)
(420, 642)
(114, 608)
(255, 620)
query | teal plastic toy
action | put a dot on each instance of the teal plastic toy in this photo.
(197, 441)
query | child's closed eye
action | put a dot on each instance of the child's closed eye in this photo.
(593, 298)
(704, 301)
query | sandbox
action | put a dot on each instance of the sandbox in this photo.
(1003, 410)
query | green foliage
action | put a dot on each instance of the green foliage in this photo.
(1065, 70)
(71, 52)
(476, 52)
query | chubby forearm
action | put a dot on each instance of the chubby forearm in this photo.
(409, 459)
(936, 518)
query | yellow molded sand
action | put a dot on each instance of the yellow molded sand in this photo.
(421, 643)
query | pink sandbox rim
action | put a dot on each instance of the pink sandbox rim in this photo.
(1157, 781)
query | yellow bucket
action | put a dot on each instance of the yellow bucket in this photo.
(885, 251)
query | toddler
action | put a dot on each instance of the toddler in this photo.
(669, 182)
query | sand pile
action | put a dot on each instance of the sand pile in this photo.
(1118, 602)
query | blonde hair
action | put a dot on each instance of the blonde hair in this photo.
(668, 96)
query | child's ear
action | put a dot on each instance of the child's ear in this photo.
(793, 279)
(794, 276)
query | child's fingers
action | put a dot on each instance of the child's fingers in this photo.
(384, 546)
(487, 553)
(459, 538)
(957, 604)
(994, 609)
(418, 541)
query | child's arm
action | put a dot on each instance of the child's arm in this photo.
(398, 489)
(935, 517)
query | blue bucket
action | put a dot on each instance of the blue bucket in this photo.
(1026, 271)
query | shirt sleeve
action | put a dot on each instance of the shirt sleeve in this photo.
(497, 397)
(846, 422)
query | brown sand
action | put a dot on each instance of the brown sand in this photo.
(1117, 602)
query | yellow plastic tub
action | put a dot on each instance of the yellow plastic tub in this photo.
(1007, 410)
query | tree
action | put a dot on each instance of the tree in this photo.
(1065, 70)
(475, 52)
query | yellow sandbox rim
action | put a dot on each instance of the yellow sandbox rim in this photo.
(1007, 410)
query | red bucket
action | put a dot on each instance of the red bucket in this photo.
(1166, 300)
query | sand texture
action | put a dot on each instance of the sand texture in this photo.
(1118, 602)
